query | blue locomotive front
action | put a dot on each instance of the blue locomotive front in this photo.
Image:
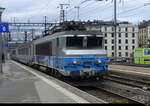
(85, 56)
(86, 66)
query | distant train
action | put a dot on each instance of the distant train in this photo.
(66, 53)
(142, 56)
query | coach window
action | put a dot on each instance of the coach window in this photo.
(14, 52)
(57, 42)
(138, 51)
(94, 42)
(147, 52)
(74, 42)
(44, 49)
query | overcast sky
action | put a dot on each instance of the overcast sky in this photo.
(34, 10)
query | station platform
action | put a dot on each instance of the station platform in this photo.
(132, 70)
(22, 84)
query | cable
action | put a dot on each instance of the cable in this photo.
(103, 9)
(91, 10)
(126, 11)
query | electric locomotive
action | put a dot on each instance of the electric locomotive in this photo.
(71, 52)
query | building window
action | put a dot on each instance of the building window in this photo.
(126, 41)
(126, 35)
(106, 29)
(119, 41)
(119, 35)
(127, 54)
(126, 29)
(133, 29)
(105, 47)
(133, 47)
(127, 47)
(133, 35)
(112, 41)
(119, 29)
(119, 47)
(120, 54)
(105, 34)
(113, 54)
(133, 41)
(113, 29)
(113, 48)
(105, 41)
(112, 35)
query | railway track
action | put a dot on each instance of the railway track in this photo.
(130, 93)
(140, 88)
(139, 83)
(114, 92)
(134, 65)
(108, 96)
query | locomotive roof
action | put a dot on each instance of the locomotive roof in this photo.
(65, 33)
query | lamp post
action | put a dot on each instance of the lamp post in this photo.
(115, 26)
(1, 44)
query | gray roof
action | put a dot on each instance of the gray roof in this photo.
(144, 24)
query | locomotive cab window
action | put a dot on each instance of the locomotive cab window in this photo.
(94, 42)
(84, 42)
(75, 42)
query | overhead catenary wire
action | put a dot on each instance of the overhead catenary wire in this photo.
(71, 10)
(124, 12)
(91, 9)
(120, 13)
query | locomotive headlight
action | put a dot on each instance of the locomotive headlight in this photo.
(76, 62)
(99, 61)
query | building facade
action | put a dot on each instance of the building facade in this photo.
(144, 34)
(127, 38)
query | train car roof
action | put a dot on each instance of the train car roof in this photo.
(67, 33)
(26, 44)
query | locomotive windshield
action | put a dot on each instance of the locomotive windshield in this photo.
(75, 42)
(84, 42)
(94, 42)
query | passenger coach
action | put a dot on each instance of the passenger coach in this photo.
(142, 56)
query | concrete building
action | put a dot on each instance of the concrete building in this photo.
(144, 34)
(127, 37)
